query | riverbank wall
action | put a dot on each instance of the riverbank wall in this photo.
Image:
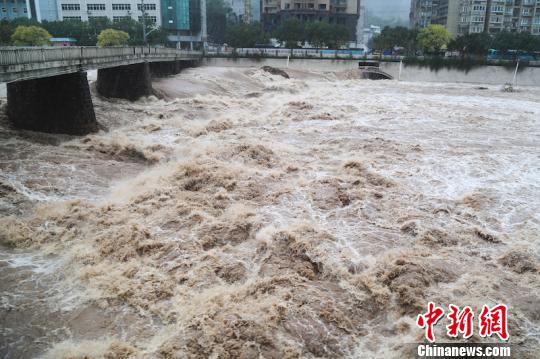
(491, 75)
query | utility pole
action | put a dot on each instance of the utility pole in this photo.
(487, 19)
(204, 33)
(143, 18)
(247, 11)
(145, 42)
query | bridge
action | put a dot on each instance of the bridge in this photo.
(47, 88)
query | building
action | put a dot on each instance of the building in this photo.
(177, 15)
(421, 12)
(185, 20)
(493, 16)
(239, 9)
(43, 10)
(341, 12)
(474, 16)
(369, 33)
(36, 9)
(14, 9)
(115, 10)
(447, 13)
(182, 18)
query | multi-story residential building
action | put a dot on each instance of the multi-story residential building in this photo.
(115, 10)
(422, 12)
(493, 16)
(446, 13)
(341, 12)
(475, 16)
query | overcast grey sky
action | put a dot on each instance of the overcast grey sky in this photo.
(388, 8)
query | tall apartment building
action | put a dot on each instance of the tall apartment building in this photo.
(474, 16)
(341, 12)
(421, 12)
(493, 16)
(447, 13)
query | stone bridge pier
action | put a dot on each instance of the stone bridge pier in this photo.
(128, 82)
(131, 82)
(168, 68)
(48, 91)
(56, 104)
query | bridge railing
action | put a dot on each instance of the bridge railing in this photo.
(26, 55)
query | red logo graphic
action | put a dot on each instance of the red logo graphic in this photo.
(460, 322)
(491, 321)
(494, 321)
(429, 320)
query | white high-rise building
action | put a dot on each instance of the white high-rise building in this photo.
(115, 10)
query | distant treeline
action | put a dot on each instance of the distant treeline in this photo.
(409, 42)
(85, 32)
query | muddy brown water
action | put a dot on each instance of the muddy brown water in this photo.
(247, 215)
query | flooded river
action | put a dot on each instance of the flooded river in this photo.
(245, 215)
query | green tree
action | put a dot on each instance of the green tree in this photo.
(133, 29)
(30, 36)
(6, 31)
(290, 33)
(318, 33)
(321, 34)
(476, 44)
(158, 37)
(219, 16)
(86, 32)
(245, 35)
(7, 28)
(72, 28)
(112, 37)
(505, 41)
(433, 38)
(339, 35)
(392, 37)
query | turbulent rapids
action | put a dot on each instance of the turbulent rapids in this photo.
(247, 215)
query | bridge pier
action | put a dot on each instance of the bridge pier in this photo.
(56, 104)
(164, 69)
(168, 68)
(128, 82)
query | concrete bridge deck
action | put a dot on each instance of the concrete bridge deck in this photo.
(47, 87)
(25, 63)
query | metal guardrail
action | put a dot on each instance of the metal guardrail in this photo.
(298, 53)
(27, 55)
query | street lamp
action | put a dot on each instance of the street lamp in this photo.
(143, 18)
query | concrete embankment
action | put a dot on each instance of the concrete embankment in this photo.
(492, 75)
